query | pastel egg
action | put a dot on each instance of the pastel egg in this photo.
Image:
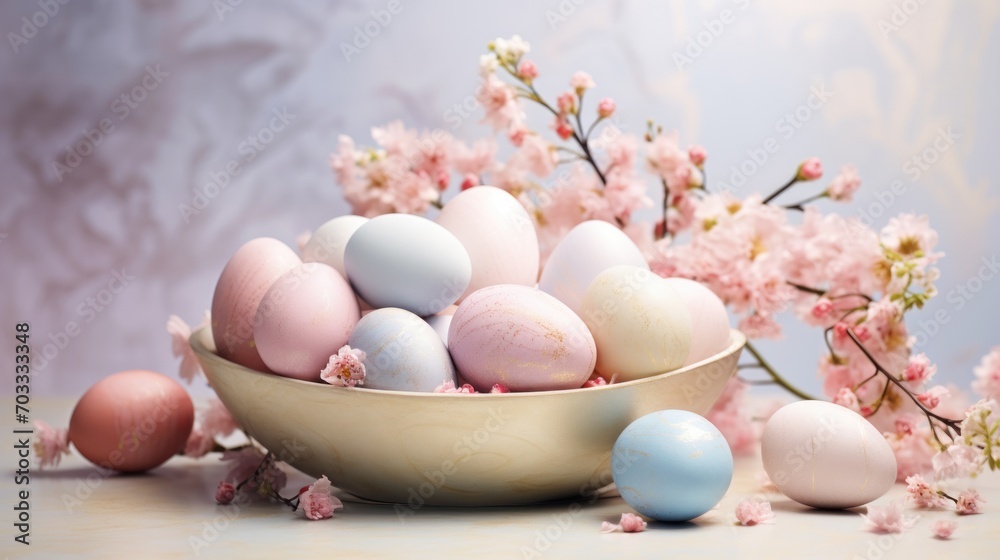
(132, 421)
(410, 262)
(497, 233)
(440, 323)
(403, 352)
(826, 456)
(672, 465)
(587, 250)
(640, 323)
(328, 242)
(305, 317)
(242, 284)
(522, 338)
(709, 320)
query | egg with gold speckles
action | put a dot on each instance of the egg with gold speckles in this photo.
(672, 465)
(522, 338)
(826, 456)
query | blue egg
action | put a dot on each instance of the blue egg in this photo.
(404, 353)
(672, 465)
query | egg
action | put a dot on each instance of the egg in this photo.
(399, 260)
(403, 353)
(672, 465)
(328, 242)
(440, 323)
(709, 320)
(305, 317)
(587, 250)
(640, 323)
(826, 456)
(497, 233)
(242, 284)
(132, 421)
(522, 338)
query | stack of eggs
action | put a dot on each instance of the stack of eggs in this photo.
(390, 286)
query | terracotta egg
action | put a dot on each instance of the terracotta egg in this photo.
(132, 421)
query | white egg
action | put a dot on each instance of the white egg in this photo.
(440, 323)
(709, 320)
(587, 250)
(410, 262)
(329, 240)
(404, 353)
(640, 324)
(497, 233)
(826, 456)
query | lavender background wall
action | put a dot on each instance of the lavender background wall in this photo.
(208, 79)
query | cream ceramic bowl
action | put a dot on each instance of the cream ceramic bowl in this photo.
(421, 449)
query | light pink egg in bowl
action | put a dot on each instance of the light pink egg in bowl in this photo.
(418, 449)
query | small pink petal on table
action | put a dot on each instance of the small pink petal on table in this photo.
(629, 523)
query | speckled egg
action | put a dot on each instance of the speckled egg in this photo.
(672, 465)
(327, 243)
(410, 262)
(242, 284)
(404, 353)
(522, 338)
(303, 319)
(826, 456)
(709, 320)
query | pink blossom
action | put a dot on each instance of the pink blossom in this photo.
(225, 492)
(753, 512)
(665, 158)
(198, 444)
(539, 156)
(595, 381)
(448, 386)
(911, 445)
(809, 170)
(562, 128)
(943, 529)
(180, 333)
(923, 495)
(844, 185)
(527, 70)
(822, 308)
(50, 444)
(697, 154)
(345, 368)
(957, 461)
(987, 382)
(217, 421)
(581, 81)
(968, 502)
(474, 159)
(629, 523)
(908, 234)
(932, 397)
(848, 399)
(889, 518)
(919, 370)
(731, 415)
(245, 462)
(469, 181)
(317, 501)
(499, 102)
(566, 103)
(606, 107)
(516, 136)
(498, 388)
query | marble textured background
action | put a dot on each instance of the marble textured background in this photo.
(222, 72)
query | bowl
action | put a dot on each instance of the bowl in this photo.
(421, 449)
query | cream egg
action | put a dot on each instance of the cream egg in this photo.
(709, 320)
(328, 242)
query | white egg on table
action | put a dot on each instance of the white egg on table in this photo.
(587, 250)
(497, 233)
(328, 242)
(409, 262)
(826, 456)
(709, 320)
(403, 352)
(640, 324)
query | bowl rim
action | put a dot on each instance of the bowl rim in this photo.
(737, 340)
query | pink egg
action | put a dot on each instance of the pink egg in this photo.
(497, 233)
(521, 338)
(709, 321)
(304, 318)
(244, 280)
(132, 421)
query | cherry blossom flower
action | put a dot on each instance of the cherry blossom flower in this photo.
(848, 399)
(932, 397)
(498, 388)
(488, 64)
(50, 444)
(345, 368)
(527, 70)
(448, 386)
(499, 102)
(731, 415)
(562, 128)
(217, 421)
(198, 444)
(844, 185)
(968, 502)
(809, 170)
(888, 518)
(566, 103)
(225, 493)
(943, 529)
(180, 333)
(697, 154)
(987, 382)
(752, 511)
(629, 523)
(510, 50)
(469, 181)
(981, 430)
(922, 494)
(539, 156)
(606, 107)
(919, 370)
(246, 461)
(581, 81)
(317, 500)
(957, 461)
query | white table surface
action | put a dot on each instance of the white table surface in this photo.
(164, 513)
